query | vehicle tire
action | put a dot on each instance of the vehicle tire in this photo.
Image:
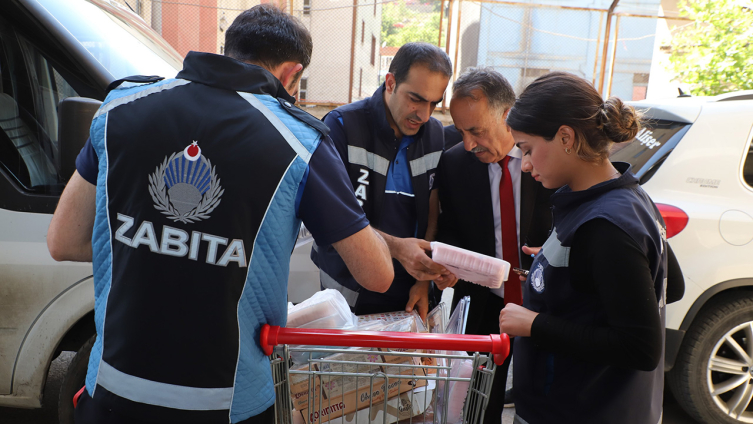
(73, 381)
(712, 379)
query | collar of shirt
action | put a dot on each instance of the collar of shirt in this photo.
(231, 74)
(515, 152)
(514, 165)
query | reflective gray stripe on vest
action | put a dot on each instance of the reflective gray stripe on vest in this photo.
(361, 156)
(288, 135)
(424, 163)
(149, 392)
(329, 283)
(120, 101)
(557, 254)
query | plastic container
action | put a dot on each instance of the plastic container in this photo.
(470, 266)
(325, 309)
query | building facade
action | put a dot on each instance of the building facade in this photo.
(346, 61)
(346, 33)
(529, 39)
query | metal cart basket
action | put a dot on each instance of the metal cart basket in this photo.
(383, 378)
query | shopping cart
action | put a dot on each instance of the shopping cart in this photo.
(405, 377)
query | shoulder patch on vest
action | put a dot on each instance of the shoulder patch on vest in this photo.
(304, 116)
(557, 254)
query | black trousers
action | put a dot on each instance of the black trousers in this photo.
(490, 325)
(89, 411)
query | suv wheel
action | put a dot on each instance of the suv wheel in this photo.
(73, 381)
(713, 376)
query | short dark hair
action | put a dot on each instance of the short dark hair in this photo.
(410, 54)
(560, 98)
(267, 36)
(493, 85)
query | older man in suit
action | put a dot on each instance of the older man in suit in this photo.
(487, 204)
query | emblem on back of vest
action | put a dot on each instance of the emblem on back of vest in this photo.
(185, 186)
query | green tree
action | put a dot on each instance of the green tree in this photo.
(401, 24)
(714, 54)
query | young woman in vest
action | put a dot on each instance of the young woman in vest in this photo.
(591, 329)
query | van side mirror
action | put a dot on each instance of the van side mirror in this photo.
(74, 119)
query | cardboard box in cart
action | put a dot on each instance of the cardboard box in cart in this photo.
(401, 407)
(299, 388)
(333, 385)
(346, 394)
(358, 400)
(413, 360)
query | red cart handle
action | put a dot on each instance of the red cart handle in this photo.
(496, 344)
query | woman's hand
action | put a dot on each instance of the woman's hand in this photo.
(516, 320)
(533, 251)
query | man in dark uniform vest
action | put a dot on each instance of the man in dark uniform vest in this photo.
(391, 146)
(475, 204)
(188, 199)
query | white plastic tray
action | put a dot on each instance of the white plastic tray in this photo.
(471, 266)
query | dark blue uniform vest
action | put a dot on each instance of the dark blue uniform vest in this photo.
(371, 148)
(195, 222)
(554, 388)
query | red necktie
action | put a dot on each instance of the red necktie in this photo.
(512, 290)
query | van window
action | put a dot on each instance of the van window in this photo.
(120, 41)
(30, 90)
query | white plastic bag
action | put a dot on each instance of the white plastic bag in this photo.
(458, 391)
(325, 309)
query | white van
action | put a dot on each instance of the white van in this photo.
(57, 58)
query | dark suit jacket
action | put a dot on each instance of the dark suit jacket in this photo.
(467, 218)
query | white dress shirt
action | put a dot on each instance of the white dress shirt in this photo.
(495, 175)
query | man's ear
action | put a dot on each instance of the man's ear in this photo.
(390, 83)
(288, 73)
(503, 118)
